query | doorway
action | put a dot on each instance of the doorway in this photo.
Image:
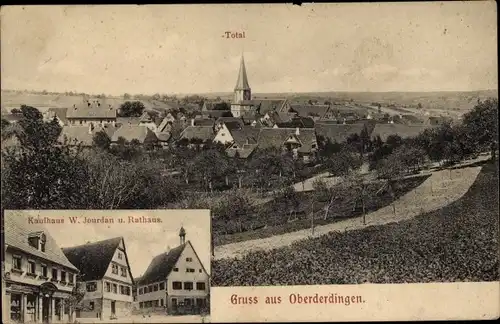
(113, 307)
(45, 309)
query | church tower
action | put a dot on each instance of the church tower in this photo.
(242, 91)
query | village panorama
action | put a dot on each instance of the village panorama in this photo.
(305, 186)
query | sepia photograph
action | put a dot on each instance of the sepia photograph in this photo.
(68, 266)
(338, 148)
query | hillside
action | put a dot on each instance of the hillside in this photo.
(458, 242)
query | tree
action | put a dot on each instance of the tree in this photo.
(126, 96)
(101, 140)
(341, 163)
(4, 124)
(482, 124)
(131, 109)
(40, 174)
(204, 163)
(74, 302)
(390, 169)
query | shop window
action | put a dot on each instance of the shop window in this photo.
(15, 307)
(31, 308)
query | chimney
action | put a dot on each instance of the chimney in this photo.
(114, 123)
(297, 131)
(182, 235)
(192, 121)
(91, 128)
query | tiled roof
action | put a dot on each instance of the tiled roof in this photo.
(404, 131)
(244, 152)
(276, 137)
(134, 132)
(215, 113)
(92, 259)
(203, 133)
(338, 132)
(161, 266)
(266, 105)
(245, 135)
(204, 122)
(231, 122)
(128, 120)
(16, 231)
(310, 110)
(92, 109)
(301, 122)
(74, 135)
(61, 114)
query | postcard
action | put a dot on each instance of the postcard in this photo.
(250, 162)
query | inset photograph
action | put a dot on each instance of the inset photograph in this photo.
(104, 266)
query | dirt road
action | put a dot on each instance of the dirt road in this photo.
(440, 189)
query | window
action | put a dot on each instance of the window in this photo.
(114, 269)
(108, 287)
(176, 285)
(44, 271)
(200, 302)
(140, 305)
(187, 301)
(199, 270)
(155, 288)
(127, 290)
(156, 303)
(120, 255)
(200, 286)
(115, 288)
(141, 290)
(162, 303)
(57, 308)
(30, 307)
(162, 285)
(16, 262)
(189, 259)
(33, 241)
(188, 285)
(31, 267)
(63, 276)
(146, 290)
(15, 307)
(123, 271)
(122, 290)
(71, 278)
(176, 269)
(54, 274)
(42, 244)
(91, 286)
(91, 305)
(174, 302)
(189, 270)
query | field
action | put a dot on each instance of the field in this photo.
(458, 242)
(273, 217)
(10, 100)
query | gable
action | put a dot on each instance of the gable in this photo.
(118, 261)
(188, 259)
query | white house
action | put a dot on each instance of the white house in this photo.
(174, 278)
(105, 270)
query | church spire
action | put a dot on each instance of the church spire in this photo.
(242, 83)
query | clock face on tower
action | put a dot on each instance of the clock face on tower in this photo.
(246, 95)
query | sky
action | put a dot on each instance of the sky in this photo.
(142, 241)
(424, 46)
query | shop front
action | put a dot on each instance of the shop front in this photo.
(36, 304)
